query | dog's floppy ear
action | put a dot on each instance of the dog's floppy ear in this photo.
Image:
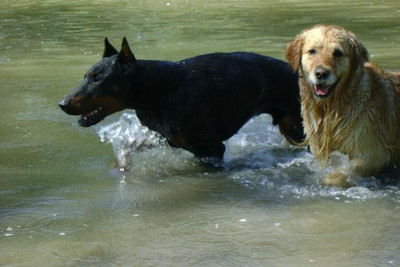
(359, 52)
(126, 60)
(293, 52)
(109, 50)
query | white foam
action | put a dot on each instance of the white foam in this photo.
(256, 157)
(127, 136)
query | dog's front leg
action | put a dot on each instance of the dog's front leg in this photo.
(340, 177)
(358, 167)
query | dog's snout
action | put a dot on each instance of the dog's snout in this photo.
(321, 73)
(63, 104)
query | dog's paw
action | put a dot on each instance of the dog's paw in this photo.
(338, 178)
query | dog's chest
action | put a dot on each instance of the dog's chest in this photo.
(329, 132)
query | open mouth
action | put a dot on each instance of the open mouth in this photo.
(92, 117)
(323, 91)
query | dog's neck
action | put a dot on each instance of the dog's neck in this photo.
(152, 81)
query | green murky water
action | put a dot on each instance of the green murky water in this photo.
(62, 203)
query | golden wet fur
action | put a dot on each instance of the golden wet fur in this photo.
(348, 103)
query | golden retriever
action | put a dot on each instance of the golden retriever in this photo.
(348, 103)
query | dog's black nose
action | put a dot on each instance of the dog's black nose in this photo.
(63, 105)
(321, 73)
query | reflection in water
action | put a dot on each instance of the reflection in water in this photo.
(62, 203)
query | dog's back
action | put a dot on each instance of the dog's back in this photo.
(220, 92)
(241, 85)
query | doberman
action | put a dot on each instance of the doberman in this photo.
(196, 103)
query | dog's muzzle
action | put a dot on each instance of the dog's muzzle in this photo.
(322, 90)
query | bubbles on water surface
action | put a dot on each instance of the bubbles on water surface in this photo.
(257, 158)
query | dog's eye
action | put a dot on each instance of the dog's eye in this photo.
(312, 51)
(95, 76)
(337, 53)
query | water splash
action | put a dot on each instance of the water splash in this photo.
(128, 136)
(257, 158)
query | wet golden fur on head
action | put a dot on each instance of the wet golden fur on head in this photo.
(348, 103)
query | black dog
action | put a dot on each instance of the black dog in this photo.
(196, 103)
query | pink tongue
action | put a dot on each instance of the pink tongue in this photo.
(321, 90)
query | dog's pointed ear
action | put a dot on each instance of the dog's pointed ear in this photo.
(109, 50)
(126, 60)
(293, 52)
